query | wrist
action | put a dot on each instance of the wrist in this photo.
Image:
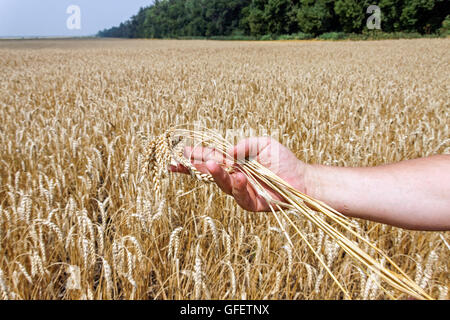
(311, 181)
(331, 185)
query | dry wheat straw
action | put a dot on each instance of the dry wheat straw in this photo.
(174, 242)
(3, 288)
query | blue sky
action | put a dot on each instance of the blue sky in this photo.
(48, 17)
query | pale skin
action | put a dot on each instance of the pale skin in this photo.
(411, 194)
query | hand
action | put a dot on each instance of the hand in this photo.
(266, 151)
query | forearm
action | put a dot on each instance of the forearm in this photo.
(413, 194)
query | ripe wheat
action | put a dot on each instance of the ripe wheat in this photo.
(70, 160)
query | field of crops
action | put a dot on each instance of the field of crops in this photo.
(77, 222)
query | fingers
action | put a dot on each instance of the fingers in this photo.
(198, 156)
(245, 195)
(202, 154)
(208, 160)
(241, 193)
(178, 168)
(221, 177)
(250, 147)
(235, 185)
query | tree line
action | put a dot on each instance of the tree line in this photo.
(256, 18)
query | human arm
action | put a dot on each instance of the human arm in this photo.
(412, 194)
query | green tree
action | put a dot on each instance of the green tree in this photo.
(175, 18)
(411, 12)
(424, 16)
(315, 16)
(253, 21)
(351, 14)
(276, 15)
(445, 29)
(390, 15)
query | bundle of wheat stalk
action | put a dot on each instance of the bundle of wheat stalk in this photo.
(169, 148)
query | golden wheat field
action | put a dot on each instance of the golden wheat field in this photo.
(76, 222)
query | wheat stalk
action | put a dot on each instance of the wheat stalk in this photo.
(165, 149)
